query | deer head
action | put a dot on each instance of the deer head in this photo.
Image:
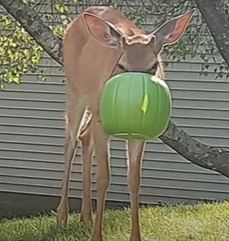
(140, 53)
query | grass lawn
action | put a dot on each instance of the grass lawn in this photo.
(202, 222)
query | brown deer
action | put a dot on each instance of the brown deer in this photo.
(100, 43)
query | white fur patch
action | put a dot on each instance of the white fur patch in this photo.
(141, 39)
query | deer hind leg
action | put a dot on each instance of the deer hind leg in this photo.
(135, 154)
(87, 153)
(102, 175)
(74, 114)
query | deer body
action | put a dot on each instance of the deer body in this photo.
(99, 43)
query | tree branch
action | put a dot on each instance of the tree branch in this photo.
(218, 24)
(203, 155)
(198, 153)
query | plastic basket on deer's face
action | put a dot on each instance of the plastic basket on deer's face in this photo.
(135, 106)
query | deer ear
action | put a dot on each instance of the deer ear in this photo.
(102, 31)
(170, 32)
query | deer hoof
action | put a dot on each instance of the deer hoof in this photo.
(137, 238)
(86, 219)
(62, 215)
(62, 220)
(96, 238)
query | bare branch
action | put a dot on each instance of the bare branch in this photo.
(203, 155)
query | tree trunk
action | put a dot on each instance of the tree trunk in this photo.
(32, 23)
(217, 20)
(198, 153)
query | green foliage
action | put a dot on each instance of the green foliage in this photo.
(18, 52)
(180, 223)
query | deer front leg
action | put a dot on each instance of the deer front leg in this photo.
(87, 152)
(74, 114)
(135, 153)
(103, 176)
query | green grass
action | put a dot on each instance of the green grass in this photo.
(202, 222)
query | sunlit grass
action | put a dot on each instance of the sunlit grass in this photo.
(202, 222)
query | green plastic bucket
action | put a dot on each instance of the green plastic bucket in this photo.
(135, 106)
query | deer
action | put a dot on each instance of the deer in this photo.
(99, 43)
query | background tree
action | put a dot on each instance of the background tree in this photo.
(216, 15)
(17, 58)
(46, 30)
